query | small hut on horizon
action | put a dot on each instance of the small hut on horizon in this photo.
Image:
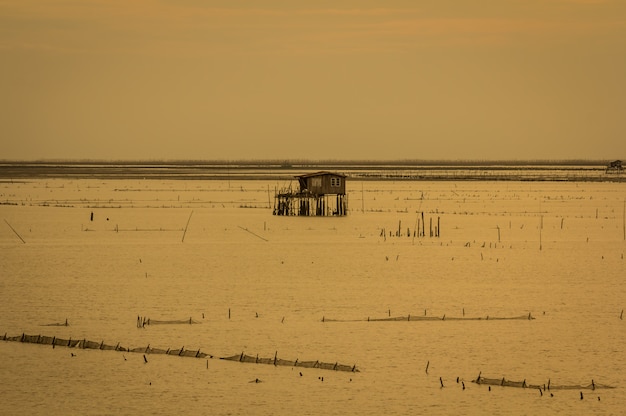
(614, 167)
(319, 194)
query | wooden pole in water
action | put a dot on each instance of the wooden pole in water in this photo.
(254, 234)
(16, 233)
(540, 228)
(187, 225)
(362, 198)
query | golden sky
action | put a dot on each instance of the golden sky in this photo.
(284, 79)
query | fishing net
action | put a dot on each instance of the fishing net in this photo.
(435, 318)
(181, 352)
(244, 358)
(549, 386)
(143, 321)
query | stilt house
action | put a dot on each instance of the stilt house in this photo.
(319, 194)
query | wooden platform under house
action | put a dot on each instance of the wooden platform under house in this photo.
(319, 194)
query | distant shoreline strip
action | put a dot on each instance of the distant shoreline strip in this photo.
(363, 171)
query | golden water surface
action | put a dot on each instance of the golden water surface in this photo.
(311, 288)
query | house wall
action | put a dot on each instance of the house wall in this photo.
(326, 184)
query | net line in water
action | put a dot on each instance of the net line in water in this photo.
(181, 352)
(66, 323)
(142, 321)
(525, 317)
(546, 386)
(244, 358)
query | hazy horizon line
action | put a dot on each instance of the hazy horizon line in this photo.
(300, 161)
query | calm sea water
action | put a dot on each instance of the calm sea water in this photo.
(304, 288)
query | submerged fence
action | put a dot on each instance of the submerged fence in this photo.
(181, 352)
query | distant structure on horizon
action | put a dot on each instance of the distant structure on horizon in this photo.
(319, 194)
(614, 167)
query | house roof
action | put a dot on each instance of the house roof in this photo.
(320, 173)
